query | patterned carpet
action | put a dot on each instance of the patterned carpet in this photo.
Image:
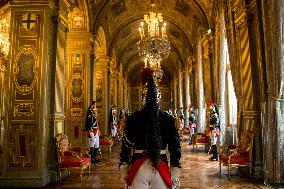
(197, 173)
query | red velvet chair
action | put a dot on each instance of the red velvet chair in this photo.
(105, 141)
(71, 158)
(237, 155)
(200, 139)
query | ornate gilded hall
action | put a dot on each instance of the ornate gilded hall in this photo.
(57, 56)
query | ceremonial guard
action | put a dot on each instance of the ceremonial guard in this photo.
(92, 131)
(113, 121)
(214, 124)
(191, 122)
(121, 121)
(147, 135)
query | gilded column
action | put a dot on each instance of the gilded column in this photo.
(121, 92)
(92, 71)
(222, 79)
(94, 78)
(3, 105)
(103, 97)
(187, 95)
(114, 87)
(201, 109)
(175, 81)
(125, 97)
(213, 72)
(180, 86)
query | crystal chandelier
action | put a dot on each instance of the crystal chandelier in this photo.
(4, 37)
(154, 46)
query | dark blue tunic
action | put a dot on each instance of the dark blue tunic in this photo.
(135, 133)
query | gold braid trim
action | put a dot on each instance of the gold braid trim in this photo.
(126, 141)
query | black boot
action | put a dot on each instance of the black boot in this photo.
(94, 157)
(214, 153)
(91, 151)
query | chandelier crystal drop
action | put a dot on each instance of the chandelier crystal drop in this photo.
(154, 46)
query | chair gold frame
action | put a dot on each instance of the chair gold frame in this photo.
(66, 154)
(195, 142)
(232, 152)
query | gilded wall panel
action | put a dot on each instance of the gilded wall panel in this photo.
(25, 71)
(25, 66)
(24, 111)
(78, 20)
(24, 75)
(77, 85)
(76, 98)
(22, 146)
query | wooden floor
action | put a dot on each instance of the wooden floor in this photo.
(197, 172)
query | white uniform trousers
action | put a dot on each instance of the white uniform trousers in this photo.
(148, 177)
(114, 131)
(94, 141)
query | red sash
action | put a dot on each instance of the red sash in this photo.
(162, 168)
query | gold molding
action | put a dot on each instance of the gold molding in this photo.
(24, 110)
(77, 112)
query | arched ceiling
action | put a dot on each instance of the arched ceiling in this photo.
(121, 20)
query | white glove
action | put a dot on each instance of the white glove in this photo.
(175, 174)
(123, 169)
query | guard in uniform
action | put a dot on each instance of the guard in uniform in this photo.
(113, 121)
(192, 124)
(92, 131)
(214, 123)
(147, 135)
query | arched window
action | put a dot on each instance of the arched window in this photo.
(232, 103)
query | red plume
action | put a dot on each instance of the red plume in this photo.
(211, 102)
(146, 72)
